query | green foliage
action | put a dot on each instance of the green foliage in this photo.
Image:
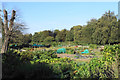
(49, 39)
(61, 36)
(99, 69)
(94, 46)
(76, 31)
(88, 31)
(106, 30)
(69, 36)
(97, 31)
(111, 53)
(70, 50)
(29, 64)
(81, 70)
(54, 56)
(45, 64)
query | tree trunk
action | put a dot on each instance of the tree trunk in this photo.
(7, 31)
(5, 45)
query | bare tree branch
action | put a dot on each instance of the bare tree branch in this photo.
(5, 21)
(12, 20)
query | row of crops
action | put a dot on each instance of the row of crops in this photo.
(45, 64)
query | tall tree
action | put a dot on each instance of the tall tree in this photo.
(1, 24)
(76, 31)
(49, 39)
(61, 36)
(106, 30)
(36, 37)
(45, 34)
(88, 30)
(7, 30)
(69, 36)
(55, 33)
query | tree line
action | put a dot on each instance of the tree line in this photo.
(104, 30)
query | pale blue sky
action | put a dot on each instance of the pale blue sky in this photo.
(40, 16)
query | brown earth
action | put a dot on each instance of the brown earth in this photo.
(72, 57)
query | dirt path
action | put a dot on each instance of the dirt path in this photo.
(65, 55)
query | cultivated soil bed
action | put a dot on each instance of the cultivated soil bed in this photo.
(75, 56)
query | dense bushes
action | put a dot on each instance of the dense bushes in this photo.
(39, 64)
(94, 46)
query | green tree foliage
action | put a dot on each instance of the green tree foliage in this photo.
(55, 33)
(27, 38)
(45, 34)
(119, 30)
(17, 37)
(88, 31)
(76, 31)
(61, 36)
(69, 36)
(104, 30)
(49, 39)
(36, 37)
(107, 29)
(20, 39)
(41, 36)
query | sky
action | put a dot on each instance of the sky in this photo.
(39, 16)
(60, 0)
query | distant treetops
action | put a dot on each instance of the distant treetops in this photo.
(104, 30)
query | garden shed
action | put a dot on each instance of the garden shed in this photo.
(61, 50)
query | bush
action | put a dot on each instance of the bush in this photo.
(54, 56)
(94, 46)
(45, 64)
